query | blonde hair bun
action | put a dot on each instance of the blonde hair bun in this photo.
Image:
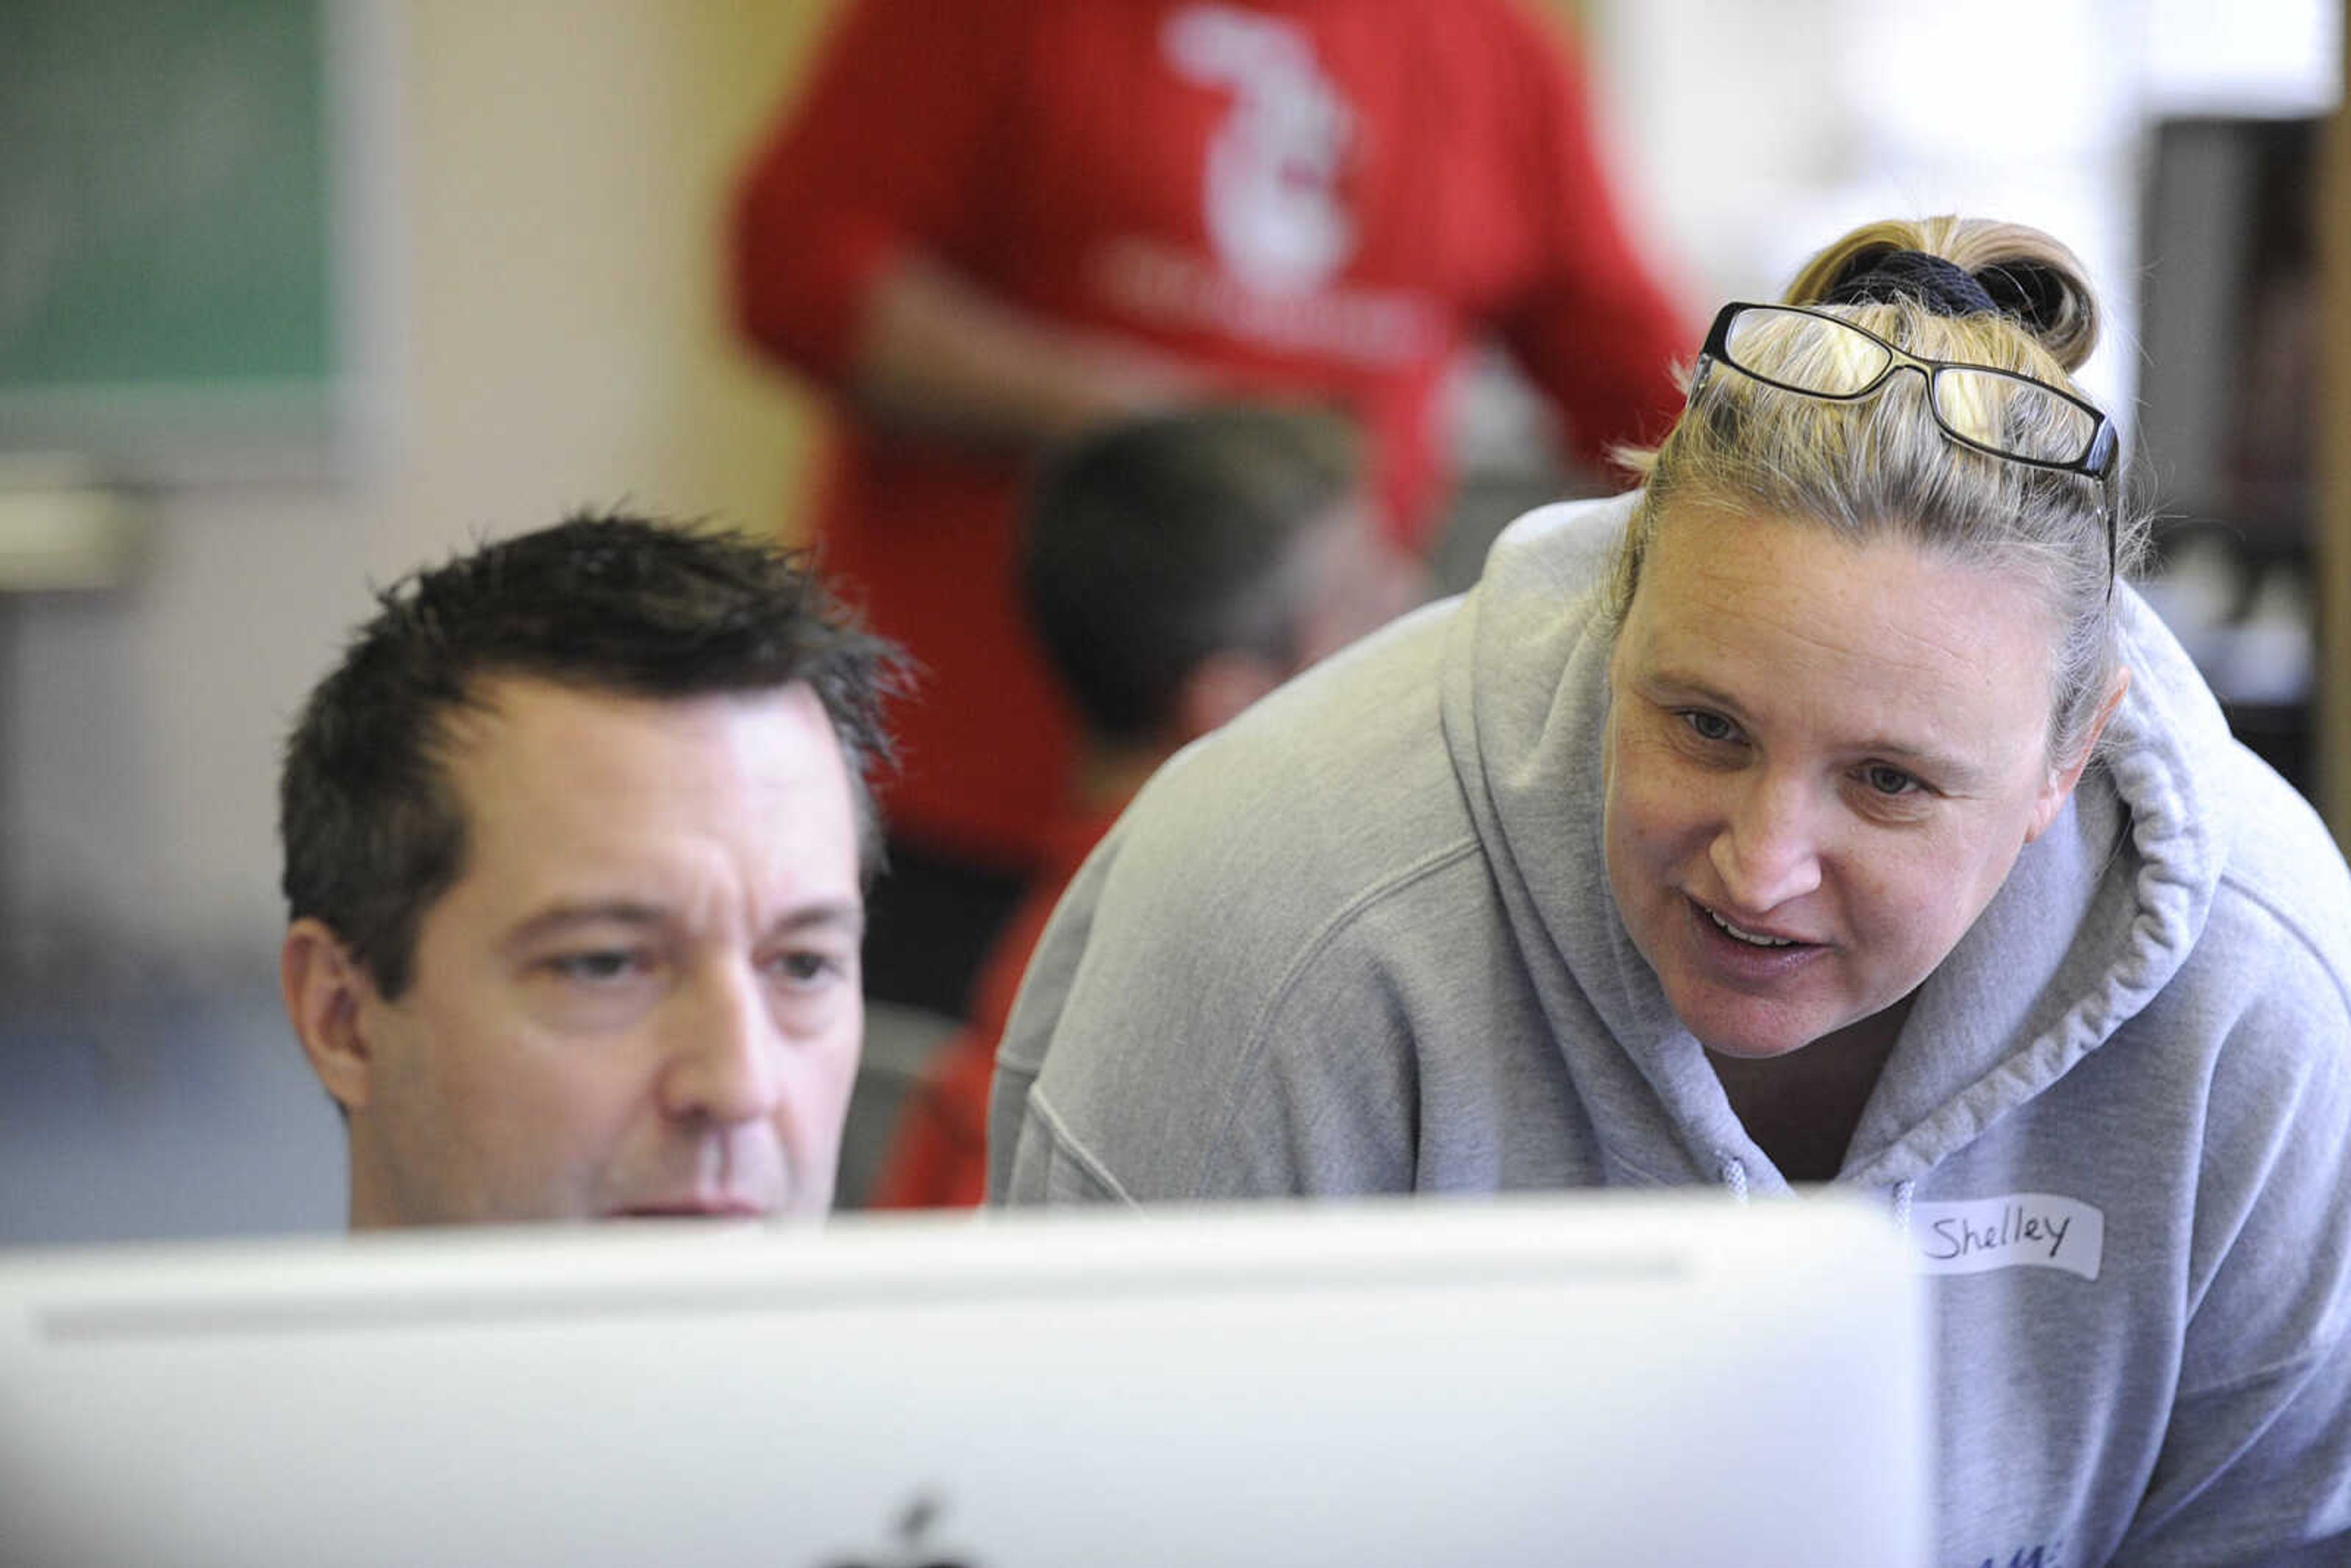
(2030, 277)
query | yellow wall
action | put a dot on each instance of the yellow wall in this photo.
(541, 187)
(570, 166)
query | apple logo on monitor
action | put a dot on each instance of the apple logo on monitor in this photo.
(909, 1551)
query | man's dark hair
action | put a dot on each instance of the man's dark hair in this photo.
(1161, 540)
(372, 831)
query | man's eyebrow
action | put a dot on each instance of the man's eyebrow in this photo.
(561, 917)
(846, 916)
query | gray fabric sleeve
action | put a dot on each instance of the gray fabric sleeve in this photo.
(1027, 1160)
(2255, 1466)
(1046, 1165)
(1177, 1041)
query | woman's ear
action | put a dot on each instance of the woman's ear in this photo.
(2059, 789)
(324, 986)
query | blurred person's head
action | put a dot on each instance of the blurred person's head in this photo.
(575, 836)
(1180, 566)
(1863, 646)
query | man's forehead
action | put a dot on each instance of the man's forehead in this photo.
(538, 766)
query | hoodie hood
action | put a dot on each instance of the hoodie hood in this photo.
(2097, 915)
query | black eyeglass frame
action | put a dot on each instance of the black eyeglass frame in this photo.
(2097, 460)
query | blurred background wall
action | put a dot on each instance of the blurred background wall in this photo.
(528, 196)
(533, 188)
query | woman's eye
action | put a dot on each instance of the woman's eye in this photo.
(1710, 725)
(1888, 780)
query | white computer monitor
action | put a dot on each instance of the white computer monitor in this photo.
(1664, 1381)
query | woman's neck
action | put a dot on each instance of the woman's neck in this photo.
(1802, 1108)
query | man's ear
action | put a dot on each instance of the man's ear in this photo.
(2060, 787)
(324, 986)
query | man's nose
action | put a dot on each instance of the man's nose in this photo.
(1768, 850)
(726, 1054)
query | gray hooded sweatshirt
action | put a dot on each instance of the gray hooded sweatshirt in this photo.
(1361, 941)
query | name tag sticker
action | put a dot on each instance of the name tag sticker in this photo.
(2021, 1230)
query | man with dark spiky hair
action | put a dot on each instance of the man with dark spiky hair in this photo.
(576, 839)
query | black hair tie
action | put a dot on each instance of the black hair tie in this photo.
(1941, 286)
(2036, 294)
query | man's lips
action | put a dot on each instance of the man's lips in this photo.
(692, 1208)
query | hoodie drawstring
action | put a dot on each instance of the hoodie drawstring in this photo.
(1733, 1175)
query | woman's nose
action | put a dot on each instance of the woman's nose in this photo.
(1767, 852)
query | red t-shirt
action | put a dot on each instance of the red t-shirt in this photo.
(937, 1156)
(1311, 197)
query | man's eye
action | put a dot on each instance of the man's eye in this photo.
(808, 966)
(1710, 725)
(602, 965)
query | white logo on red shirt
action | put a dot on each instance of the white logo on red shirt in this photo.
(1271, 190)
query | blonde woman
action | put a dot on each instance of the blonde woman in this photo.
(1825, 811)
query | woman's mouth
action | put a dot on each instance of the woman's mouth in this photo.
(1748, 955)
(1753, 938)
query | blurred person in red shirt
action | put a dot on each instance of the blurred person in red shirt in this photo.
(1177, 567)
(990, 225)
